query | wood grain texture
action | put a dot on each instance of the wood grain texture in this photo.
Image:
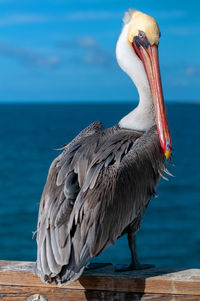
(8, 293)
(17, 282)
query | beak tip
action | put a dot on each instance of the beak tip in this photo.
(168, 153)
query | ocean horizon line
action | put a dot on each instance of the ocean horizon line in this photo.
(90, 102)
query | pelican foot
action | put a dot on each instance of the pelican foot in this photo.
(131, 267)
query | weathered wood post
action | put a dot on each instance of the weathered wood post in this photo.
(17, 283)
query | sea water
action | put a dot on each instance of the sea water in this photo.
(29, 136)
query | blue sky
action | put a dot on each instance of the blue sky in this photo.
(64, 50)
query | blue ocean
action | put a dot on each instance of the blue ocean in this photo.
(29, 137)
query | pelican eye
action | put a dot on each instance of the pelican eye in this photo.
(141, 35)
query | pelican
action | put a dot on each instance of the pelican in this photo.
(98, 188)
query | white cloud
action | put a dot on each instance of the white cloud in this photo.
(171, 14)
(92, 15)
(25, 18)
(192, 70)
(14, 19)
(88, 15)
(181, 82)
(87, 41)
(92, 53)
(183, 30)
(29, 57)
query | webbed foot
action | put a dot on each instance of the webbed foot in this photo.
(131, 267)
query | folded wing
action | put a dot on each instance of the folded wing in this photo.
(95, 189)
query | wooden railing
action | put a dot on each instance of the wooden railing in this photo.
(17, 283)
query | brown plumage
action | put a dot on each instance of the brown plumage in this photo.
(97, 189)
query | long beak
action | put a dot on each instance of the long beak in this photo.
(149, 56)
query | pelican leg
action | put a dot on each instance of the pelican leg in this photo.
(135, 264)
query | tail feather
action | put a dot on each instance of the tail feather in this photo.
(54, 267)
(48, 270)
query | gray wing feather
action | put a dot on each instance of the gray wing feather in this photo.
(53, 266)
(61, 189)
(96, 188)
(43, 260)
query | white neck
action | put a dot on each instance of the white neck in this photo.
(142, 117)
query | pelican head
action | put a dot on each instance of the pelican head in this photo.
(141, 24)
(137, 54)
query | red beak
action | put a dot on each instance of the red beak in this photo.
(149, 57)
